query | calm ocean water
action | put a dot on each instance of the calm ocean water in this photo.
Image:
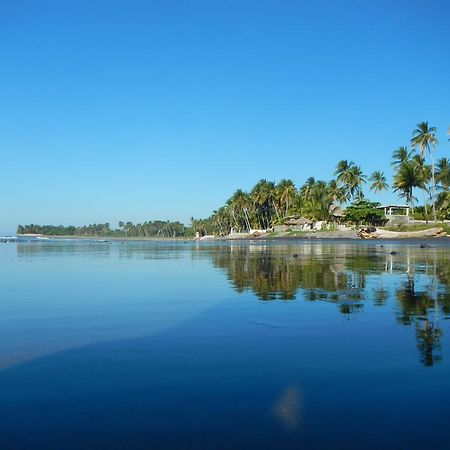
(286, 345)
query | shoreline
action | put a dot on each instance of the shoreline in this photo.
(307, 235)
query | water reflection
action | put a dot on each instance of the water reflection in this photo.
(413, 281)
(348, 275)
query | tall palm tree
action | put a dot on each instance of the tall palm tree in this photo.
(424, 175)
(378, 182)
(343, 172)
(443, 173)
(443, 178)
(337, 192)
(305, 190)
(238, 205)
(351, 178)
(424, 137)
(263, 196)
(317, 206)
(405, 180)
(357, 180)
(286, 193)
(401, 155)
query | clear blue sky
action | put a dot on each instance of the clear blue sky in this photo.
(136, 110)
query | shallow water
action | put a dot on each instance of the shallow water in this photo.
(161, 345)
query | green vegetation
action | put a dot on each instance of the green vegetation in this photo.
(157, 228)
(268, 204)
(365, 212)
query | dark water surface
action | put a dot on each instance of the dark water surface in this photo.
(287, 345)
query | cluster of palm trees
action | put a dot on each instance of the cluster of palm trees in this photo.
(411, 171)
(268, 203)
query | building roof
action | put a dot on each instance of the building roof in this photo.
(393, 206)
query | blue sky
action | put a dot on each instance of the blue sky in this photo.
(137, 110)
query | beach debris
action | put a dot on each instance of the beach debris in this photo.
(379, 233)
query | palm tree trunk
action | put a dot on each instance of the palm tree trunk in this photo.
(425, 205)
(276, 209)
(433, 185)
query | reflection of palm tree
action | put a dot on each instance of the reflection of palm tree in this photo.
(414, 308)
(381, 295)
(272, 276)
(428, 343)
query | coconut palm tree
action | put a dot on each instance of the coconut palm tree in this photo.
(356, 182)
(424, 137)
(305, 190)
(351, 178)
(286, 194)
(443, 178)
(263, 196)
(405, 180)
(424, 174)
(343, 172)
(443, 173)
(378, 182)
(401, 155)
(317, 206)
(238, 204)
(337, 192)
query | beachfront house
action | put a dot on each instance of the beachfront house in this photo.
(395, 214)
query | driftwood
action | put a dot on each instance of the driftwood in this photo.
(377, 233)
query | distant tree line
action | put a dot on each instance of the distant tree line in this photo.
(156, 228)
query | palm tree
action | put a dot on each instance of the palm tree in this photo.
(405, 180)
(443, 178)
(263, 196)
(378, 182)
(238, 205)
(350, 177)
(343, 172)
(443, 173)
(424, 174)
(317, 206)
(286, 193)
(357, 179)
(424, 137)
(337, 192)
(401, 155)
(305, 190)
